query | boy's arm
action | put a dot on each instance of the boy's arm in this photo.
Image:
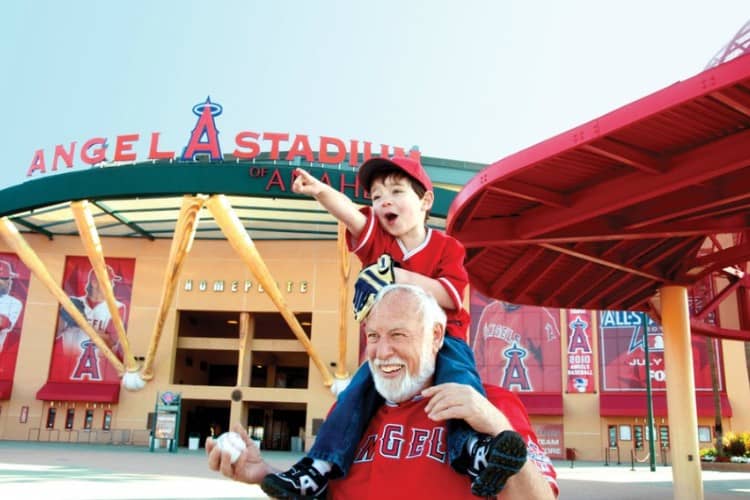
(449, 280)
(336, 203)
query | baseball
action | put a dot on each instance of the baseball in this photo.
(133, 381)
(233, 443)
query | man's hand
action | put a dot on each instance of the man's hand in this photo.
(306, 184)
(463, 402)
(369, 281)
(249, 467)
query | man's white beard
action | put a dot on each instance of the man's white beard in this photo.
(407, 386)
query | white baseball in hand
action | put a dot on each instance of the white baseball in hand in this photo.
(233, 443)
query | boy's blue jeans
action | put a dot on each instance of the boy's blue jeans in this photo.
(341, 432)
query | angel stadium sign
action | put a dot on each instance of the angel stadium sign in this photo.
(203, 142)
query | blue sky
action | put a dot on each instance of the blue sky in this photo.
(465, 80)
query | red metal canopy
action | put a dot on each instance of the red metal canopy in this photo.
(544, 403)
(634, 404)
(602, 216)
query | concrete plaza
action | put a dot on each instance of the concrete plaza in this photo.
(31, 470)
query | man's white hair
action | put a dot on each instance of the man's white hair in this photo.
(428, 309)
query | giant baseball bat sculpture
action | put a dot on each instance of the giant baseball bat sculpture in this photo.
(235, 233)
(344, 311)
(342, 374)
(18, 244)
(93, 245)
(182, 241)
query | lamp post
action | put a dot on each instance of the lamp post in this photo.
(649, 400)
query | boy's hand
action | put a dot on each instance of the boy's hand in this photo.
(305, 183)
(369, 281)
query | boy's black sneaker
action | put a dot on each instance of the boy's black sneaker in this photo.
(494, 461)
(302, 481)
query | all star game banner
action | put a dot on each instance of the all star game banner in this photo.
(75, 358)
(14, 288)
(580, 352)
(516, 347)
(623, 357)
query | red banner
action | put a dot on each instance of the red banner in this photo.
(516, 347)
(14, 288)
(75, 358)
(580, 352)
(551, 438)
(623, 359)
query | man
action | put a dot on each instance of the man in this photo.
(94, 307)
(76, 357)
(403, 451)
(10, 307)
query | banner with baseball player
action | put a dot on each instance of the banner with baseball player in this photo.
(14, 288)
(516, 347)
(623, 357)
(580, 352)
(75, 358)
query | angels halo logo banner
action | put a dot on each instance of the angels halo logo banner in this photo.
(516, 347)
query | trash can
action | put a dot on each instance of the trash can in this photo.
(194, 441)
(296, 444)
(570, 454)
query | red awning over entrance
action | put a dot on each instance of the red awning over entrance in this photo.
(6, 386)
(608, 213)
(542, 404)
(634, 405)
(79, 391)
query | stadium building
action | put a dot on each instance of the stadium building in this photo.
(230, 295)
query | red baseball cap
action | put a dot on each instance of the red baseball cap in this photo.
(412, 168)
(113, 278)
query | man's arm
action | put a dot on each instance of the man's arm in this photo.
(458, 401)
(336, 203)
(527, 483)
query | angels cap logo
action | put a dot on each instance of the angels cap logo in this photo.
(204, 138)
(579, 340)
(515, 372)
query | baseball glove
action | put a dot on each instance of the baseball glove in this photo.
(369, 281)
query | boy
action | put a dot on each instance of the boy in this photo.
(393, 229)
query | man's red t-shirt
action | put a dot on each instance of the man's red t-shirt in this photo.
(403, 454)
